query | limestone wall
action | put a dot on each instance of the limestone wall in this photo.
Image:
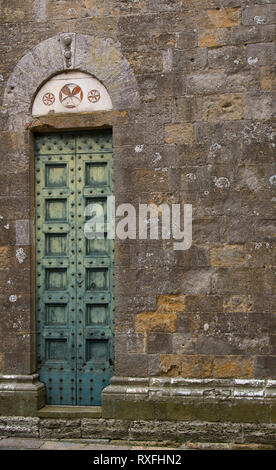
(197, 130)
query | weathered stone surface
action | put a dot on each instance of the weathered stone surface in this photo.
(260, 54)
(107, 429)
(191, 84)
(19, 426)
(233, 366)
(230, 255)
(238, 303)
(155, 322)
(224, 17)
(4, 257)
(221, 107)
(258, 14)
(179, 133)
(60, 428)
(258, 106)
(20, 395)
(159, 434)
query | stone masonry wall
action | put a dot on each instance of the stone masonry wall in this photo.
(202, 135)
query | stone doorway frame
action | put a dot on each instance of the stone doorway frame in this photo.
(21, 393)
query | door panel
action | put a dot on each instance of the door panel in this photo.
(74, 275)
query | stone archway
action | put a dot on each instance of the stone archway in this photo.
(99, 57)
(21, 392)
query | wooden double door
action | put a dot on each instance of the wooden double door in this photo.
(74, 273)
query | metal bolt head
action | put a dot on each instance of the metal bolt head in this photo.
(67, 40)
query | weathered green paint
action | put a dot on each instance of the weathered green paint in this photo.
(74, 275)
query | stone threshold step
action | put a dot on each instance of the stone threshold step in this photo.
(63, 411)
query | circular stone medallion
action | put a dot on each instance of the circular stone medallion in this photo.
(70, 95)
(94, 96)
(48, 99)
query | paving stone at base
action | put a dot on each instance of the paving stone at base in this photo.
(67, 445)
(79, 444)
(59, 445)
(16, 443)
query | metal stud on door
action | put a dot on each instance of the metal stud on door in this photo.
(74, 275)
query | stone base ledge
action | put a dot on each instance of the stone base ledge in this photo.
(172, 387)
(21, 395)
(162, 398)
(129, 431)
(72, 412)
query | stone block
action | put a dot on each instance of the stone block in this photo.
(248, 412)
(223, 3)
(170, 304)
(206, 83)
(185, 109)
(19, 426)
(194, 366)
(14, 208)
(267, 78)
(265, 367)
(190, 60)
(212, 37)
(249, 34)
(258, 14)
(258, 105)
(11, 12)
(203, 303)
(221, 107)
(144, 62)
(186, 40)
(239, 280)
(229, 58)
(228, 131)
(238, 303)
(159, 343)
(199, 281)
(104, 428)
(136, 343)
(135, 365)
(163, 40)
(60, 428)
(260, 54)
(153, 365)
(154, 321)
(259, 433)
(224, 17)
(21, 395)
(233, 366)
(4, 257)
(179, 133)
(228, 255)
